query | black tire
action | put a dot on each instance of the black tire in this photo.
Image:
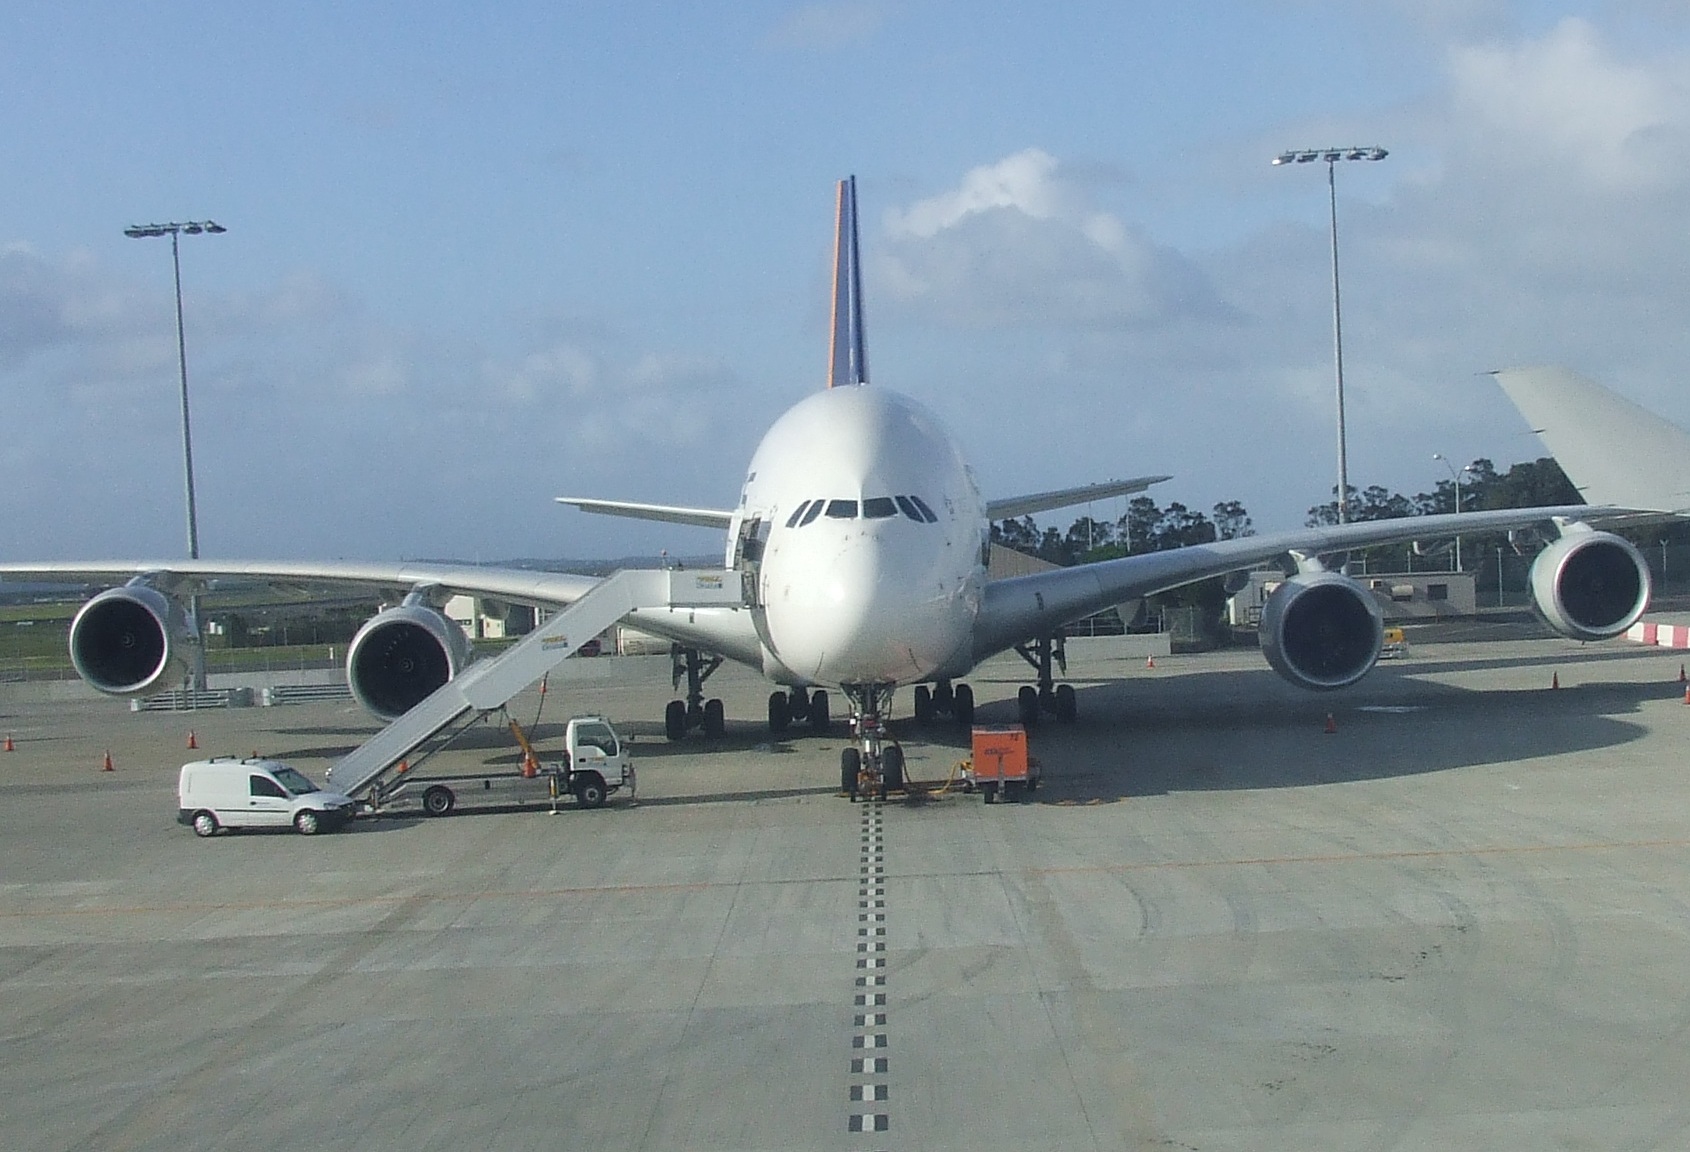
(1067, 706)
(1013, 792)
(962, 705)
(892, 767)
(850, 768)
(675, 720)
(923, 704)
(798, 703)
(1027, 706)
(988, 793)
(205, 824)
(780, 712)
(589, 789)
(714, 721)
(944, 698)
(307, 822)
(439, 801)
(695, 715)
(818, 711)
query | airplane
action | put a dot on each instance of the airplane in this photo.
(863, 538)
(1613, 451)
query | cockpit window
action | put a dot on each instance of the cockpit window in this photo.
(879, 508)
(815, 510)
(792, 520)
(908, 509)
(925, 510)
(842, 509)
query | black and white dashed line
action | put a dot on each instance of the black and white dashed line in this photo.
(868, 1032)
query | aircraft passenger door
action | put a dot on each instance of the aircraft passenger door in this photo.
(748, 554)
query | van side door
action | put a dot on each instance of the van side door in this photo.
(268, 803)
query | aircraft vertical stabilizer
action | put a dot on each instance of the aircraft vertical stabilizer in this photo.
(849, 363)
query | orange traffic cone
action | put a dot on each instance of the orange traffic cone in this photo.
(1150, 661)
(1555, 680)
(529, 768)
(193, 741)
(404, 767)
(1687, 695)
(107, 766)
(1331, 724)
(10, 747)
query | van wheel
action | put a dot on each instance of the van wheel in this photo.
(306, 822)
(439, 801)
(205, 824)
(589, 790)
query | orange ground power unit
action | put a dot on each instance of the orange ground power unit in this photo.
(1000, 753)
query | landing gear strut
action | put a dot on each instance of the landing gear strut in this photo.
(695, 711)
(874, 764)
(1057, 699)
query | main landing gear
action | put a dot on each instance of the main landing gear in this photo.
(874, 765)
(941, 700)
(798, 704)
(695, 711)
(1056, 699)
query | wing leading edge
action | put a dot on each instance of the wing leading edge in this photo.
(1010, 507)
(698, 517)
(1024, 608)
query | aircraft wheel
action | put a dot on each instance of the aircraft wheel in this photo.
(780, 712)
(892, 768)
(1067, 707)
(962, 705)
(695, 715)
(923, 704)
(944, 698)
(850, 768)
(714, 722)
(818, 711)
(675, 720)
(798, 703)
(1027, 706)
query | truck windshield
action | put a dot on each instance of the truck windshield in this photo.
(293, 780)
(596, 736)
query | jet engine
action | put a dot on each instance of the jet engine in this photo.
(132, 640)
(1590, 585)
(400, 656)
(1322, 630)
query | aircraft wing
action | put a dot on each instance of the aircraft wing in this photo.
(699, 517)
(1011, 507)
(1612, 450)
(518, 585)
(1025, 608)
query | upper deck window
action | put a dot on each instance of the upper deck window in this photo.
(815, 510)
(792, 520)
(879, 508)
(842, 509)
(925, 510)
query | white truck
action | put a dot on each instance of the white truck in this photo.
(596, 763)
(226, 792)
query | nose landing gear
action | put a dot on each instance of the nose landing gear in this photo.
(874, 766)
(1047, 697)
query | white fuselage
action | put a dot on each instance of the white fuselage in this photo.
(883, 583)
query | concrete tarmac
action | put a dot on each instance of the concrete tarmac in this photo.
(1462, 920)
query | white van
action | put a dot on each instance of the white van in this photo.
(228, 793)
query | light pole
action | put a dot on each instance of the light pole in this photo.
(174, 230)
(1456, 476)
(1332, 156)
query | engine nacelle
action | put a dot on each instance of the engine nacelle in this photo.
(402, 655)
(1590, 585)
(1322, 630)
(132, 640)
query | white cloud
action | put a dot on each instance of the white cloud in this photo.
(1018, 243)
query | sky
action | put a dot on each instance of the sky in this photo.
(482, 255)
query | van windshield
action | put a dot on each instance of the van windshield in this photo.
(293, 780)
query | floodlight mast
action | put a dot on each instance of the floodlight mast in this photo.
(1332, 156)
(173, 230)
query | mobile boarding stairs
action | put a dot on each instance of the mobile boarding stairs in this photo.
(487, 685)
